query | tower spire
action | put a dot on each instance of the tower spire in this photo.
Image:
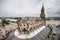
(42, 15)
(42, 7)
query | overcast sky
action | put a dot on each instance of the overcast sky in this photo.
(22, 8)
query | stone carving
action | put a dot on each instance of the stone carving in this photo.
(27, 26)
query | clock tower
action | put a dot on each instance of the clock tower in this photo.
(42, 16)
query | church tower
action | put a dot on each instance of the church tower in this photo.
(42, 15)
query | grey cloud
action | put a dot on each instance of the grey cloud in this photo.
(19, 8)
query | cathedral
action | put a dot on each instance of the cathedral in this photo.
(27, 26)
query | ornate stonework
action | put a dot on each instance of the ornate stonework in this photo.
(27, 26)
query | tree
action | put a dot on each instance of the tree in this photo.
(4, 21)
